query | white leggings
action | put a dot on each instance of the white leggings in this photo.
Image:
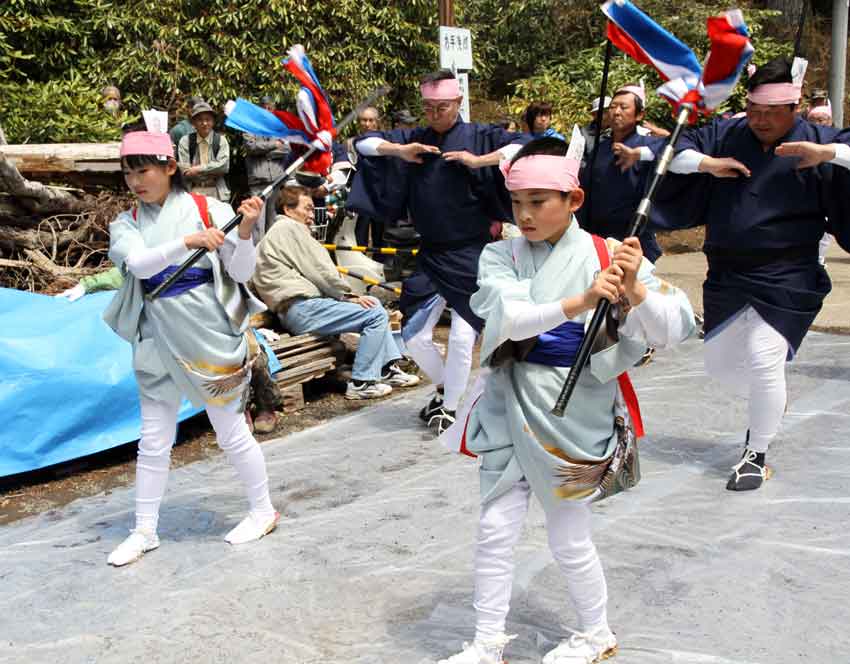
(748, 357)
(568, 528)
(453, 373)
(159, 426)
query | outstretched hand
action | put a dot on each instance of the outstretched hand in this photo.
(810, 154)
(723, 167)
(466, 158)
(411, 152)
(625, 157)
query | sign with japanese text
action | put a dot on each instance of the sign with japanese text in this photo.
(455, 48)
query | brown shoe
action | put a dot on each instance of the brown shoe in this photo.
(265, 422)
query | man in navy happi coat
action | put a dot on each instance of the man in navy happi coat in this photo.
(615, 187)
(445, 176)
(773, 184)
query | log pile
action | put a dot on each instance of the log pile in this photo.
(51, 235)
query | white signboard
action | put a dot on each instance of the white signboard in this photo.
(463, 81)
(455, 48)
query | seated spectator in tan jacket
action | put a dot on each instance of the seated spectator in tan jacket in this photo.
(297, 279)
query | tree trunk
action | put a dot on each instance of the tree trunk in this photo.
(34, 196)
(791, 10)
(16, 239)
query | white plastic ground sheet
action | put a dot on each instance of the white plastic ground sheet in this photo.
(372, 562)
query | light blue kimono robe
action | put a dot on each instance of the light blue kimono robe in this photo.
(194, 344)
(511, 427)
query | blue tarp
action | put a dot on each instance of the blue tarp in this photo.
(66, 381)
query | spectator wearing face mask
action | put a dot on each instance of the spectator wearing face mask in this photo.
(112, 100)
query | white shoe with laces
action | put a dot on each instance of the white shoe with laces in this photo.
(584, 648)
(398, 378)
(366, 390)
(252, 528)
(134, 547)
(481, 651)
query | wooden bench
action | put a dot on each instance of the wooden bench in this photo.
(303, 358)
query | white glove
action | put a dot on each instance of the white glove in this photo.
(323, 141)
(270, 335)
(73, 294)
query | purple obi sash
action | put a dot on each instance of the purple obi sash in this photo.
(558, 347)
(190, 279)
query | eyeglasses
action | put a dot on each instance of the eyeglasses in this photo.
(431, 109)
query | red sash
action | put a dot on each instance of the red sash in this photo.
(626, 387)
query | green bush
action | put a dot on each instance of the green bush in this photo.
(56, 55)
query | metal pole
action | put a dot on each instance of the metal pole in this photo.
(600, 112)
(838, 64)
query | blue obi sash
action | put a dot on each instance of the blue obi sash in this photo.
(190, 279)
(558, 347)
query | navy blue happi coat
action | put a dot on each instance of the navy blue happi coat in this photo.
(451, 206)
(762, 232)
(612, 196)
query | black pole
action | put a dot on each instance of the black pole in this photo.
(609, 48)
(798, 42)
(638, 223)
(233, 223)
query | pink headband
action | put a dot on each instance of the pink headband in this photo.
(541, 171)
(147, 142)
(639, 92)
(826, 110)
(775, 94)
(442, 90)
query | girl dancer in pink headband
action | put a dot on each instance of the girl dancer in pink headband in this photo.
(536, 294)
(194, 340)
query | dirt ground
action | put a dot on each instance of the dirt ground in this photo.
(682, 242)
(43, 490)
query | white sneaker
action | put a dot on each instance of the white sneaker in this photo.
(367, 390)
(584, 648)
(487, 651)
(134, 547)
(252, 528)
(395, 377)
